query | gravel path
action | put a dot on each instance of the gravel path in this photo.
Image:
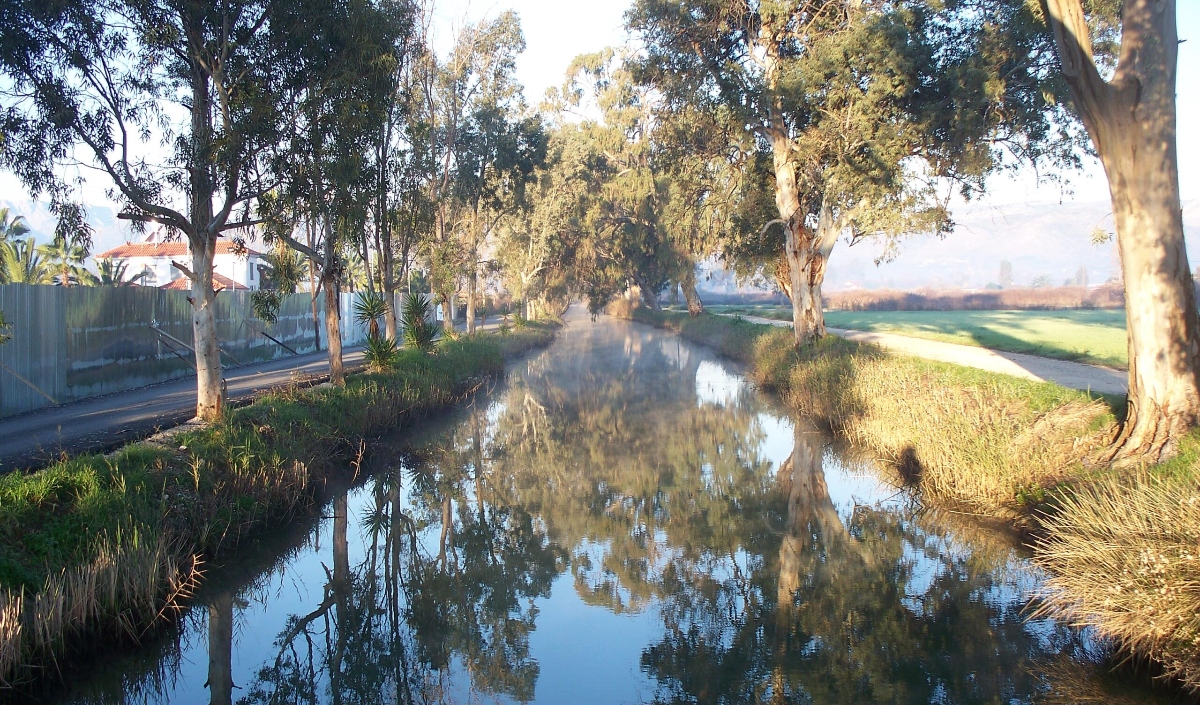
(1041, 369)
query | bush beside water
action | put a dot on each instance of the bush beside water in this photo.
(1122, 549)
(104, 548)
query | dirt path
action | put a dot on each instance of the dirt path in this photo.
(1041, 369)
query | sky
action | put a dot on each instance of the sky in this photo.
(557, 31)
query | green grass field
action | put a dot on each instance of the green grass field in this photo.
(1095, 336)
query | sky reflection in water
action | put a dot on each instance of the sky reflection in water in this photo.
(624, 521)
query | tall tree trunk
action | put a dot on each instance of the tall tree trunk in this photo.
(473, 275)
(210, 399)
(313, 283)
(688, 284)
(1132, 123)
(447, 311)
(333, 319)
(220, 650)
(210, 389)
(650, 298)
(806, 251)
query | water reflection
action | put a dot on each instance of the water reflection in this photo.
(625, 521)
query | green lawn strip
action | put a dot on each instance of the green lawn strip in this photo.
(260, 466)
(1094, 336)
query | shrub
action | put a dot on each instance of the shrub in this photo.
(419, 332)
(369, 307)
(381, 353)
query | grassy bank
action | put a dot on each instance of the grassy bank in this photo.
(1094, 336)
(1122, 549)
(103, 548)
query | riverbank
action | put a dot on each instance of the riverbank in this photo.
(1121, 547)
(103, 549)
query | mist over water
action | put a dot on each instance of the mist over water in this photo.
(625, 520)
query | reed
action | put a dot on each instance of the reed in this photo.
(1124, 556)
(102, 549)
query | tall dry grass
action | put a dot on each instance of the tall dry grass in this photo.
(984, 441)
(1124, 556)
(124, 592)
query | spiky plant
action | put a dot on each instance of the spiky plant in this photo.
(419, 333)
(369, 307)
(381, 353)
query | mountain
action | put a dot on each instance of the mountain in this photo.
(1039, 239)
(109, 232)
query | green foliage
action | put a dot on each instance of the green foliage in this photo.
(110, 272)
(419, 332)
(519, 320)
(381, 352)
(64, 263)
(5, 326)
(20, 263)
(369, 307)
(12, 227)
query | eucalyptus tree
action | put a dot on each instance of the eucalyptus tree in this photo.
(499, 150)
(1120, 60)
(861, 105)
(477, 74)
(339, 59)
(118, 82)
(616, 239)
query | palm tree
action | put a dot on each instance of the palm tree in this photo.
(20, 263)
(11, 229)
(65, 261)
(111, 272)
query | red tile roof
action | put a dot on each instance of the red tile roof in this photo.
(164, 249)
(220, 282)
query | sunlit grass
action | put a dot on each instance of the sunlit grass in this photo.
(1095, 336)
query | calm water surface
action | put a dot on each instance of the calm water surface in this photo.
(624, 521)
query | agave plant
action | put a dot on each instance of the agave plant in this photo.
(381, 353)
(419, 333)
(369, 307)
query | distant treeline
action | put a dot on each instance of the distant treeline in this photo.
(1061, 297)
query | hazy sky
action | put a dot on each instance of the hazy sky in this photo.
(557, 31)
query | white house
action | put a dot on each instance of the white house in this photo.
(231, 270)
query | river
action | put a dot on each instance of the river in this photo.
(624, 520)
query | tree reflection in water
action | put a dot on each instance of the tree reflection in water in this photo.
(640, 469)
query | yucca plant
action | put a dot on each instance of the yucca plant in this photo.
(419, 333)
(369, 307)
(381, 353)
(519, 320)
